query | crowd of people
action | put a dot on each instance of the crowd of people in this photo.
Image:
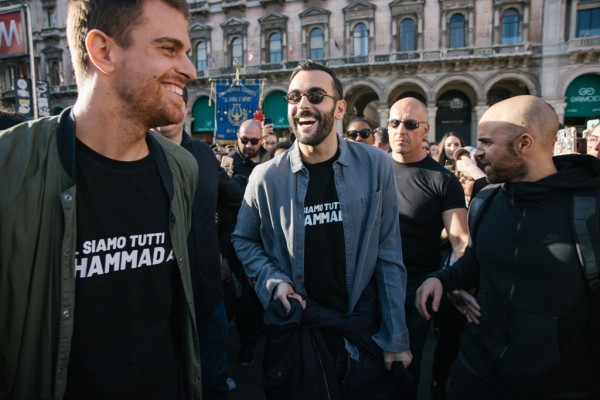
(127, 246)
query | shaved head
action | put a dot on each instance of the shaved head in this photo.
(526, 114)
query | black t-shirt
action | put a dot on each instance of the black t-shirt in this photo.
(123, 343)
(324, 249)
(425, 191)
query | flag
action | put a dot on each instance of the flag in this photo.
(337, 46)
(291, 51)
(250, 55)
(212, 59)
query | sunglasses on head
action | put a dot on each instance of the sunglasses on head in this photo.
(313, 96)
(409, 124)
(245, 140)
(364, 133)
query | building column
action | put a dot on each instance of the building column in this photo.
(431, 115)
(384, 113)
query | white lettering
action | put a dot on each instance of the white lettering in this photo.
(95, 267)
(7, 37)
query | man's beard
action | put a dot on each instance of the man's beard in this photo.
(149, 103)
(325, 122)
(250, 152)
(509, 168)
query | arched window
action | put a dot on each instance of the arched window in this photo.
(457, 31)
(201, 56)
(407, 35)
(510, 27)
(237, 51)
(316, 44)
(360, 36)
(275, 47)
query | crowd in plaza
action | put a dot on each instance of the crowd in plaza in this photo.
(127, 247)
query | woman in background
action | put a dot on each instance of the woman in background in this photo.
(449, 143)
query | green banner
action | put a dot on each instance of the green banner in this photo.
(583, 97)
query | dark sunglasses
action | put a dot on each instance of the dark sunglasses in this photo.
(409, 124)
(245, 140)
(313, 96)
(364, 133)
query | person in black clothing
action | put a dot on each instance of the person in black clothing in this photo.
(530, 333)
(215, 188)
(249, 151)
(10, 118)
(430, 199)
(248, 312)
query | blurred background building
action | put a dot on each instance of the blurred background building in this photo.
(458, 56)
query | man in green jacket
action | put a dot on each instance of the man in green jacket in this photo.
(95, 294)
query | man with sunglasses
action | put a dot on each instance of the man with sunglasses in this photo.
(430, 199)
(246, 308)
(360, 131)
(249, 152)
(318, 230)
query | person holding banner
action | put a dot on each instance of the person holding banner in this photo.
(96, 298)
(318, 230)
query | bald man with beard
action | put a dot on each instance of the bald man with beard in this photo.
(529, 334)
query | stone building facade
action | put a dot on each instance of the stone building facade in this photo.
(458, 56)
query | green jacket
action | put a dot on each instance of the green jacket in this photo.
(37, 254)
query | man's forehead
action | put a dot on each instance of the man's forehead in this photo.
(313, 79)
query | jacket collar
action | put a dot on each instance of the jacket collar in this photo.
(296, 157)
(66, 150)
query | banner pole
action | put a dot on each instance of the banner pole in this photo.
(32, 63)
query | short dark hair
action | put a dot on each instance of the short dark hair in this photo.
(310, 65)
(116, 18)
(10, 118)
(382, 134)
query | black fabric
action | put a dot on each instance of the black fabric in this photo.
(242, 166)
(425, 191)
(214, 188)
(324, 248)
(123, 341)
(534, 336)
(298, 364)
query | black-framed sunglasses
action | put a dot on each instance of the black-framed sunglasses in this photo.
(245, 140)
(409, 124)
(364, 133)
(313, 96)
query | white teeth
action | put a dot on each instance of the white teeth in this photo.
(175, 89)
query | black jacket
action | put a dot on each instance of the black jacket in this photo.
(298, 364)
(534, 333)
(215, 188)
(242, 166)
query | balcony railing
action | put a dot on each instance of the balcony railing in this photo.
(584, 43)
(420, 56)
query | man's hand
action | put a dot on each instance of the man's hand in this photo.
(466, 304)
(432, 287)
(405, 357)
(285, 290)
(468, 166)
(267, 129)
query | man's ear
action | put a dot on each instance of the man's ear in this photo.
(525, 142)
(99, 47)
(340, 109)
